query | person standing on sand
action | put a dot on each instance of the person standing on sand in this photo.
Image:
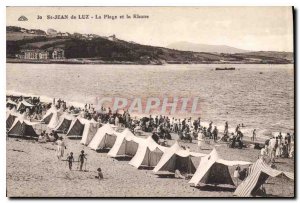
(117, 121)
(226, 128)
(81, 158)
(236, 174)
(272, 148)
(199, 138)
(215, 133)
(70, 160)
(60, 148)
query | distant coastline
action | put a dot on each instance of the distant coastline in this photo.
(96, 61)
(38, 46)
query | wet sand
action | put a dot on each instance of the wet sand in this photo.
(33, 170)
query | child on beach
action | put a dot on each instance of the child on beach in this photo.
(100, 174)
(81, 158)
(70, 160)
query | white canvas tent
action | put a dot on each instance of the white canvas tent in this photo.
(177, 158)
(64, 123)
(12, 103)
(105, 137)
(11, 115)
(259, 173)
(89, 131)
(126, 145)
(51, 118)
(214, 170)
(24, 104)
(79, 126)
(22, 128)
(148, 153)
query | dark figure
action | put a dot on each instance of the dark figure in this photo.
(155, 137)
(70, 160)
(215, 133)
(81, 158)
(100, 174)
(55, 134)
(226, 128)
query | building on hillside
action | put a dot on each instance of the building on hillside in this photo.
(51, 32)
(31, 54)
(38, 54)
(63, 34)
(23, 30)
(112, 38)
(43, 55)
(58, 53)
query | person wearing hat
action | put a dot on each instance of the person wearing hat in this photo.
(81, 158)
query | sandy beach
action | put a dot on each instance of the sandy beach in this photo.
(33, 170)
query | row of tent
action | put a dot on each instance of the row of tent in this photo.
(147, 153)
(19, 105)
(212, 169)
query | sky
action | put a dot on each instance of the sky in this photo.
(249, 28)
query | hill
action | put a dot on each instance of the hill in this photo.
(113, 50)
(188, 46)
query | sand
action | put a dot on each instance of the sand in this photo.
(33, 170)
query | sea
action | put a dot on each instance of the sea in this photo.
(261, 96)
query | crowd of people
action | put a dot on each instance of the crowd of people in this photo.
(161, 127)
(279, 147)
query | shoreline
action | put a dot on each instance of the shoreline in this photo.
(97, 62)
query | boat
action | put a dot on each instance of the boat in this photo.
(230, 68)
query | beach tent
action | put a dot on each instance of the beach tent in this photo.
(258, 174)
(148, 154)
(51, 118)
(10, 117)
(77, 127)
(177, 158)
(11, 111)
(126, 145)
(105, 137)
(11, 103)
(22, 128)
(24, 104)
(89, 131)
(214, 170)
(64, 123)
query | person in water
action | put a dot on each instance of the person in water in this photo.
(81, 159)
(254, 135)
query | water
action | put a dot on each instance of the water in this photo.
(263, 101)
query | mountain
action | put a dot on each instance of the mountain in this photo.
(89, 48)
(188, 46)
